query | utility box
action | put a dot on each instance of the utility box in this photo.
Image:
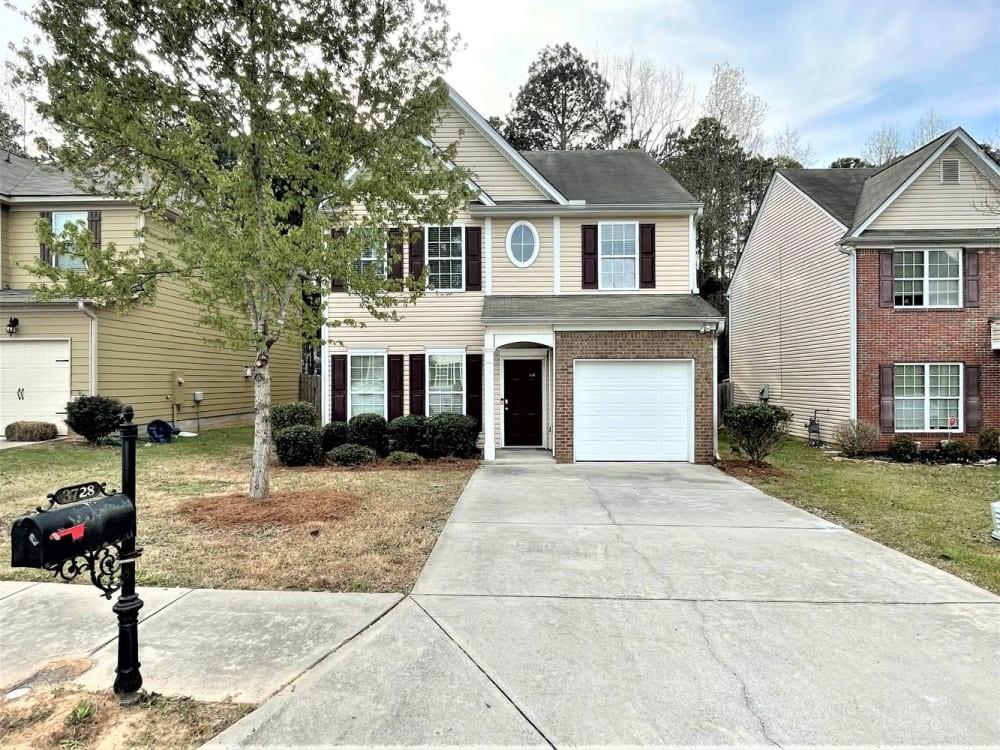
(177, 388)
(199, 396)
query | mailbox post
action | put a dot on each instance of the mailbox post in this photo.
(128, 679)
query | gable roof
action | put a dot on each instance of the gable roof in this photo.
(835, 190)
(623, 177)
(21, 177)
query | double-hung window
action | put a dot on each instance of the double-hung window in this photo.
(372, 256)
(60, 220)
(445, 382)
(446, 258)
(927, 278)
(928, 397)
(366, 384)
(618, 255)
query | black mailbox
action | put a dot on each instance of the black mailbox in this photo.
(48, 538)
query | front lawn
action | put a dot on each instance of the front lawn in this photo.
(328, 529)
(938, 514)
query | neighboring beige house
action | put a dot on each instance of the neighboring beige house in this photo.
(156, 357)
(562, 309)
(874, 294)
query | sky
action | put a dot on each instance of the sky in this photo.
(835, 70)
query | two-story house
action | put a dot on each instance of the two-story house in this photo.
(874, 294)
(562, 310)
(158, 357)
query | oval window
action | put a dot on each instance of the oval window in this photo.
(522, 243)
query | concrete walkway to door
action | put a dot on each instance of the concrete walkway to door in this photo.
(653, 604)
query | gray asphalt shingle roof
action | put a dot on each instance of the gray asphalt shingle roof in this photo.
(836, 190)
(595, 306)
(609, 177)
(23, 177)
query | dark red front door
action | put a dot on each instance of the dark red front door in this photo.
(522, 389)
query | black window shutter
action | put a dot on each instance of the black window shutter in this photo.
(474, 388)
(395, 386)
(473, 259)
(43, 250)
(416, 252)
(970, 259)
(973, 398)
(94, 225)
(395, 254)
(887, 402)
(338, 387)
(885, 292)
(337, 285)
(417, 399)
(647, 256)
(588, 243)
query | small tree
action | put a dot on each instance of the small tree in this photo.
(756, 429)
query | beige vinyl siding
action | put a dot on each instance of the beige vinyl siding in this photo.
(672, 255)
(491, 169)
(5, 259)
(790, 312)
(929, 204)
(534, 279)
(43, 322)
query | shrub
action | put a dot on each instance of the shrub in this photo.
(404, 458)
(450, 435)
(903, 448)
(407, 433)
(856, 438)
(299, 445)
(370, 430)
(956, 452)
(756, 429)
(29, 432)
(335, 434)
(989, 442)
(93, 417)
(293, 413)
(352, 454)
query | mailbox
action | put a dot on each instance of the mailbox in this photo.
(48, 538)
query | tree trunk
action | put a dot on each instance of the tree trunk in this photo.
(261, 461)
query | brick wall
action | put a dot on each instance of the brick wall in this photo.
(572, 345)
(888, 335)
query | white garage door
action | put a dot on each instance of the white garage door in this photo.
(632, 410)
(34, 381)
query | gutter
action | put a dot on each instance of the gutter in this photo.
(549, 320)
(590, 209)
(852, 296)
(82, 307)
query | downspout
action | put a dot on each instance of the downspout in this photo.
(853, 297)
(81, 305)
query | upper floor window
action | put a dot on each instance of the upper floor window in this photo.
(927, 397)
(60, 220)
(367, 384)
(522, 243)
(445, 383)
(618, 255)
(927, 278)
(372, 257)
(446, 258)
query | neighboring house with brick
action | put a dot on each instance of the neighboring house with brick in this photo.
(156, 357)
(562, 309)
(874, 294)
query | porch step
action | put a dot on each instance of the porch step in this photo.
(524, 456)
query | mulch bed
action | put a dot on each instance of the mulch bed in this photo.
(742, 469)
(281, 509)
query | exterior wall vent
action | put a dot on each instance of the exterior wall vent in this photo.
(949, 171)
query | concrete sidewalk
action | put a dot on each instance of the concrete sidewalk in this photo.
(207, 644)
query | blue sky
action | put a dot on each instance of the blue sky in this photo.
(833, 69)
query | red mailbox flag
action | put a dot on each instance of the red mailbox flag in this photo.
(73, 532)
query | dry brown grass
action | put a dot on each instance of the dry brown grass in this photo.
(379, 546)
(65, 718)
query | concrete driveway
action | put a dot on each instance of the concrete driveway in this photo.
(631, 605)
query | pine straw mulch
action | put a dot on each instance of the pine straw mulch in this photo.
(280, 509)
(743, 469)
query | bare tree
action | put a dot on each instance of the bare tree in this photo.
(730, 102)
(928, 127)
(16, 100)
(884, 145)
(788, 144)
(653, 99)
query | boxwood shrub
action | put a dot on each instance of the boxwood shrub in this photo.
(335, 434)
(93, 417)
(756, 429)
(370, 430)
(18, 432)
(956, 452)
(407, 433)
(404, 458)
(989, 442)
(352, 454)
(450, 435)
(293, 413)
(299, 445)
(904, 449)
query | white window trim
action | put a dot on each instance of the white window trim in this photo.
(958, 170)
(428, 353)
(384, 257)
(351, 353)
(600, 276)
(427, 260)
(926, 281)
(53, 257)
(534, 234)
(927, 399)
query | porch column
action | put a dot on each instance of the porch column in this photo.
(489, 402)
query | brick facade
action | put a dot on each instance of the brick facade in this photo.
(887, 335)
(572, 345)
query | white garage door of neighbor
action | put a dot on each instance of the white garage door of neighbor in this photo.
(632, 410)
(34, 381)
